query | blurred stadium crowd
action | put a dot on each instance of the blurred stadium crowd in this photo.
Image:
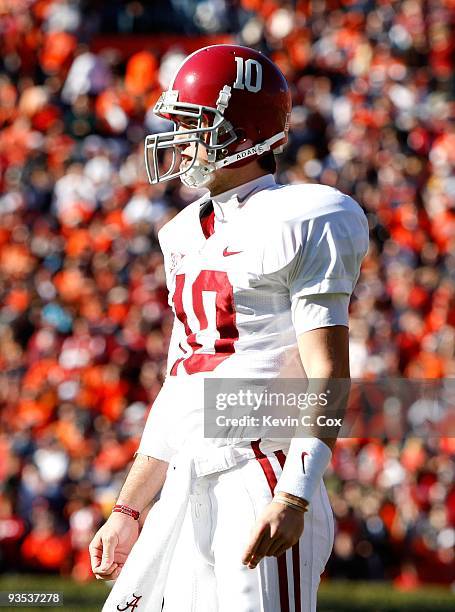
(84, 319)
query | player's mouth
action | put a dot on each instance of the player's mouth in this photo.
(185, 161)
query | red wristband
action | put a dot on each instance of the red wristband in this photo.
(126, 510)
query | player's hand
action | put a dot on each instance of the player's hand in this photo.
(112, 544)
(279, 528)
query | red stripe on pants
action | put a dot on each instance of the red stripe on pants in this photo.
(282, 569)
(295, 552)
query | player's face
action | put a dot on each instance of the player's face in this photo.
(219, 180)
(187, 151)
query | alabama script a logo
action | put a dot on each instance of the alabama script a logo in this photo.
(131, 605)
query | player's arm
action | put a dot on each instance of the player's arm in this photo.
(318, 262)
(143, 483)
(114, 540)
(325, 356)
(324, 353)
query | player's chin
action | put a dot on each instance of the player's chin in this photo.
(186, 162)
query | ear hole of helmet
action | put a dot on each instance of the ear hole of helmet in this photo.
(241, 135)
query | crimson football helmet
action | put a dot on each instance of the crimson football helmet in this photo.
(230, 99)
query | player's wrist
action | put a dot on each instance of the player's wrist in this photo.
(304, 468)
(126, 510)
(294, 498)
(291, 501)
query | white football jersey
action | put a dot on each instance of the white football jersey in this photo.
(235, 265)
(231, 290)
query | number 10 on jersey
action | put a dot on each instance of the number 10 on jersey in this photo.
(206, 352)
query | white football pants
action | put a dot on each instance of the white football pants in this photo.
(207, 574)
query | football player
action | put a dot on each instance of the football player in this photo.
(258, 273)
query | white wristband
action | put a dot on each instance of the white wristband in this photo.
(305, 465)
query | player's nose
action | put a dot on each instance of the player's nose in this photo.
(187, 149)
(180, 133)
(181, 140)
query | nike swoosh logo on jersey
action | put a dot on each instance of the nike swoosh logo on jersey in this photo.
(245, 197)
(226, 253)
(304, 454)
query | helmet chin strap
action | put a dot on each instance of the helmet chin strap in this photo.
(258, 149)
(199, 173)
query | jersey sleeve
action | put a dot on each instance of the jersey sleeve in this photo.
(329, 257)
(154, 437)
(175, 351)
(322, 310)
(320, 254)
(167, 259)
(178, 333)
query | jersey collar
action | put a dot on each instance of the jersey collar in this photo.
(225, 204)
